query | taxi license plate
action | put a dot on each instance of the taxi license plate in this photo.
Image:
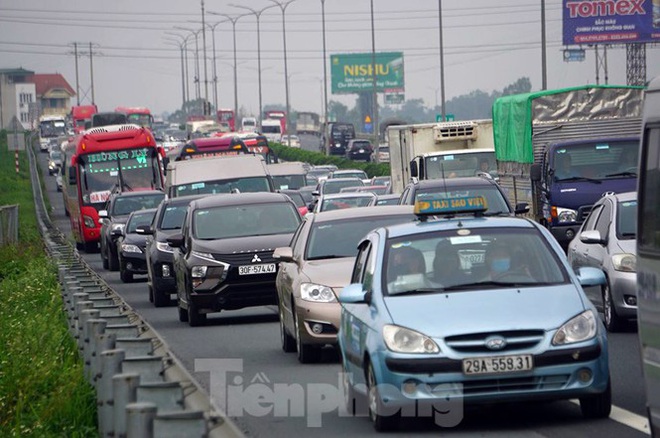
(256, 269)
(497, 364)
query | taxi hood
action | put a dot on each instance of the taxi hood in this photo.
(461, 312)
(334, 273)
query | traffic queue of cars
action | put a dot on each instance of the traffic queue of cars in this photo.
(418, 298)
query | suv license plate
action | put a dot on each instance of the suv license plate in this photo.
(256, 269)
(497, 364)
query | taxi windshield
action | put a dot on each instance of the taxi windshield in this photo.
(489, 258)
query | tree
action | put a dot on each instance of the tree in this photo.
(337, 110)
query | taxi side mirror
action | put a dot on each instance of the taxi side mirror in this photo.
(353, 294)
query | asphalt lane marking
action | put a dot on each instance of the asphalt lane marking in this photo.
(627, 418)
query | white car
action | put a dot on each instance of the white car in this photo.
(293, 139)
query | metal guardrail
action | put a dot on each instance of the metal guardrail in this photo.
(142, 388)
(8, 224)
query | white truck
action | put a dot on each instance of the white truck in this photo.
(437, 150)
(272, 129)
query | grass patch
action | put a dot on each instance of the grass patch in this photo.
(42, 388)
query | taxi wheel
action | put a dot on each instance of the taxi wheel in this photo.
(382, 423)
(195, 319)
(599, 405)
(288, 343)
(306, 353)
(613, 322)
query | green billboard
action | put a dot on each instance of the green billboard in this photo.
(352, 72)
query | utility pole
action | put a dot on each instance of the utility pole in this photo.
(374, 78)
(206, 82)
(75, 53)
(325, 68)
(544, 73)
(442, 62)
(91, 70)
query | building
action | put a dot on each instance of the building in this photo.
(18, 97)
(53, 93)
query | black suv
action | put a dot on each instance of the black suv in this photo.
(223, 257)
(160, 272)
(358, 149)
(131, 245)
(460, 187)
(113, 219)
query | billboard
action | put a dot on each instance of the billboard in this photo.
(352, 72)
(611, 21)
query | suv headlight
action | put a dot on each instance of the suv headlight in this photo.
(566, 215)
(577, 329)
(624, 262)
(403, 340)
(316, 293)
(164, 247)
(126, 247)
(116, 227)
(198, 273)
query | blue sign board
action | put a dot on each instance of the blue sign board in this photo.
(610, 22)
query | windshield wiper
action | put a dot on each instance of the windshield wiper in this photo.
(633, 174)
(328, 256)
(580, 178)
(418, 291)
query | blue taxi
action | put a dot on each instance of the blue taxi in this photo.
(458, 308)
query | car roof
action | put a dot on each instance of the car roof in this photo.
(623, 197)
(151, 211)
(362, 212)
(335, 180)
(183, 200)
(138, 193)
(463, 222)
(345, 195)
(340, 171)
(226, 199)
(455, 182)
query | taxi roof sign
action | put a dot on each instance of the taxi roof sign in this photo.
(442, 206)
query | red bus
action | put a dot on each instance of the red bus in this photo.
(138, 115)
(256, 143)
(100, 160)
(227, 116)
(80, 115)
(279, 115)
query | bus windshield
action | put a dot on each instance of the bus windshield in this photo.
(131, 169)
(141, 119)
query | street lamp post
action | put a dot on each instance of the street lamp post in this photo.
(283, 4)
(181, 45)
(233, 20)
(374, 78)
(257, 14)
(215, 68)
(442, 66)
(184, 41)
(195, 33)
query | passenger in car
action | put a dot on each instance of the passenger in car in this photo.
(447, 270)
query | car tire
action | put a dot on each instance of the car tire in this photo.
(195, 319)
(126, 277)
(306, 353)
(288, 342)
(382, 423)
(613, 323)
(598, 405)
(104, 261)
(151, 293)
(159, 299)
(91, 247)
(183, 313)
(113, 261)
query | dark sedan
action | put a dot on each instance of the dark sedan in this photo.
(223, 257)
(160, 272)
(131, 245)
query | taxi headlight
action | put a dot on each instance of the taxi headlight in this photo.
(316, 293)
(624, 262)
(566, 215)
(403, 340)
(577, 329)
(126, 247)
(119, 227)
(164, 247)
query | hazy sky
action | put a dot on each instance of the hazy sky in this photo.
(487, 45)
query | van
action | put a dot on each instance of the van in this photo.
(272, 129)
